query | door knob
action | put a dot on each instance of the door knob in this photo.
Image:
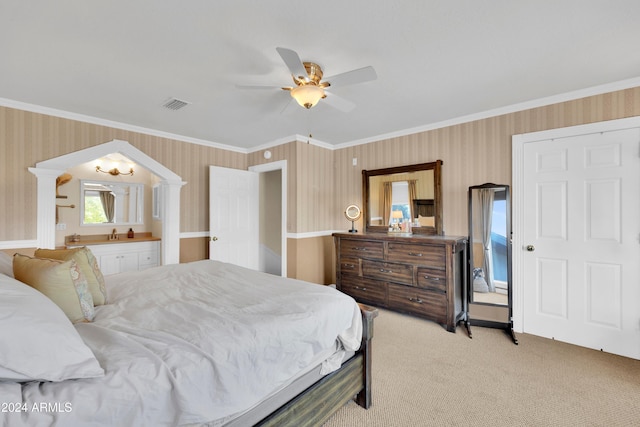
(214, 238)
(531, 248)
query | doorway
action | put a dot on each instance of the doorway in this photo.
(248, 216)
(273, 217)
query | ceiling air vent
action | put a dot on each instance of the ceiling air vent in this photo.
(175, 104)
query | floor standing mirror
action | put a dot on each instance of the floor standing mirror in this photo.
(490, 298)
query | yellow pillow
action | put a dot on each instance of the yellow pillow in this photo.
(62, 281)
(88, 265)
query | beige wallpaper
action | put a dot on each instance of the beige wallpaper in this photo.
(472, 153)
(27, 138)
(321, 182)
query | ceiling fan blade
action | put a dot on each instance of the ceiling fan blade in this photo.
(293, 62)
(257, 87)
(361, 75)
(337, 102)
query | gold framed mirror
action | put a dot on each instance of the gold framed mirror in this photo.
(413, 190)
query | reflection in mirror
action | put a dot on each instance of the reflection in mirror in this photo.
(489, 245)
(110, 203)
(394, 196)
(490, 299)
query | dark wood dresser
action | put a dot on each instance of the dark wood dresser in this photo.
(421, 275)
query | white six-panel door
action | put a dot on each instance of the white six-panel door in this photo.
(581, 232)
(233, 216)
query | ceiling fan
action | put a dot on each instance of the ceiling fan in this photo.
(309, 87)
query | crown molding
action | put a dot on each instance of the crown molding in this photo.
(527, 105)
(541, 102)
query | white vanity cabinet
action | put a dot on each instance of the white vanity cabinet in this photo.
(120, 257)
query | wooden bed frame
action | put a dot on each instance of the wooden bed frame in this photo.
(318, 403)
(315, 405)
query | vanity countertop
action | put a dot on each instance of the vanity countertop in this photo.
(103, 239)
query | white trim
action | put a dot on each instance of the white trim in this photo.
(47, 171)
(46, 205)
(311, 234)
(112, 124)
(16, 244)
(517, 196)
(307, 235)
(568, 96)
(280, 165)
(292, 138)
(535, 103)
(194, 234)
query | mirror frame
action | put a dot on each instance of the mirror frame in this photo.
(355, 217)
(483, 313)
(139, 211)
(436, 166)
(506, 189)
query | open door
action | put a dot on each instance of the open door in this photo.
(234, 216)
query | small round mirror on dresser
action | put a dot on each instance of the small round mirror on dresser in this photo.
(353, 213)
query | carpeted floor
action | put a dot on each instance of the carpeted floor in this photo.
(426, 376)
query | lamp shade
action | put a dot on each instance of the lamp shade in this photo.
(397, 214)
(307, 95)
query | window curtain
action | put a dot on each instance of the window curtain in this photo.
(412, 197)
(108, 204)
(486, 210)
(387, 201)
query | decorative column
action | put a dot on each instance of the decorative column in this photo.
(46, 206)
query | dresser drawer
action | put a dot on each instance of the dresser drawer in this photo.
(370, 291)
(361, 248)
(432, 305)
(432, 279)
(392, 272)
(417, 254)
(350, 265)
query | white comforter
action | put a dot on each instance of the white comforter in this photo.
(192, 343)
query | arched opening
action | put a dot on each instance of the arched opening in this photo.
(169, 186)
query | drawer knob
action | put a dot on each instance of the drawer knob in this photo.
(431, 278)
(362, 289)
(416, 299)
(415, 254)
(360, 249)
(349, 265)
(382, 270)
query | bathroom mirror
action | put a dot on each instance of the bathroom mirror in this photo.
(413, 190)
(490, 257)
(109, 203)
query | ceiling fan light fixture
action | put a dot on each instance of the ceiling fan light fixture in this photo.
(307, 95)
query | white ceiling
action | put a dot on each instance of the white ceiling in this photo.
(437, 61)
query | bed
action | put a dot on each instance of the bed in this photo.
(198, 344)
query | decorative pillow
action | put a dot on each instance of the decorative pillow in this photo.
(39, 342)
(87, 263)
(62, 281)
(6, 264)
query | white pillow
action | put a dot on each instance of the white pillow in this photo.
(39, 343)
(6, 264)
